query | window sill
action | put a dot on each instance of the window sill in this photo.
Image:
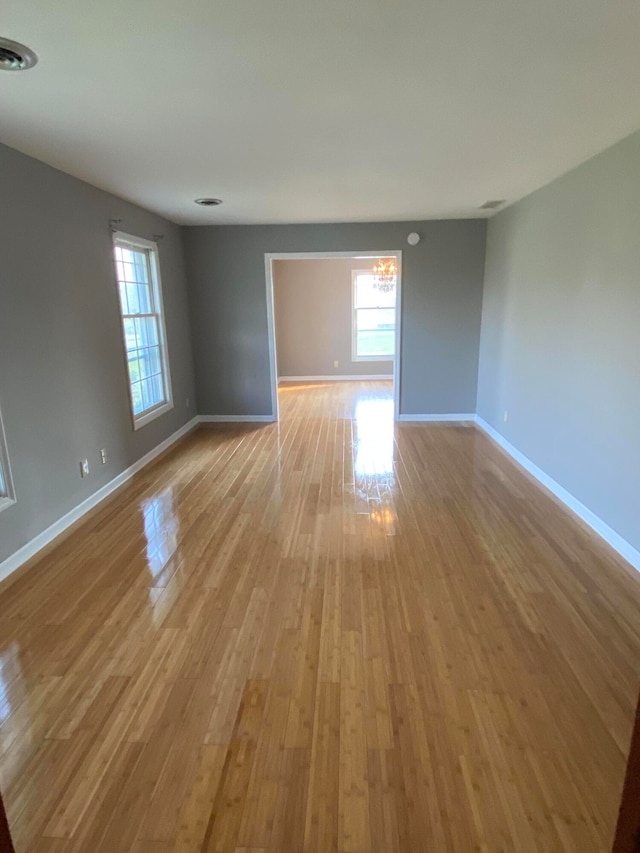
(373, 358)
(146, 417)
(5, 503)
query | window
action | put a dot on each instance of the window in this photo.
(138, 275)
(7, 494)
(374, 319)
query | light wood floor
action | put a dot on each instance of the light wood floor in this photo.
(321, 636)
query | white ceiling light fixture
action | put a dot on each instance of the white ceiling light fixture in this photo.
(494, 204)
(15, 56)
(208, 202)
(413, 239)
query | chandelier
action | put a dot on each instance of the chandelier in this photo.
(384, 274)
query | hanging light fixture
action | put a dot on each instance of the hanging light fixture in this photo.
(384, 274)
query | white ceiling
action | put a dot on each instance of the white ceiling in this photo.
(337, 110)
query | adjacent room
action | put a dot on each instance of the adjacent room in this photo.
(334, 320)
(319, 447)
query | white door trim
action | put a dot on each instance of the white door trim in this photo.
(356, 254)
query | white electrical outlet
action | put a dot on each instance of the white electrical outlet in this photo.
(103, 455)
(84, 468)
(506, 416)
(336, 364)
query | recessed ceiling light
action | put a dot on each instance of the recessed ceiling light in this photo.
(209, 202)
(15, 56)
(492, 205)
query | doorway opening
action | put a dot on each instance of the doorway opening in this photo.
(334, 316)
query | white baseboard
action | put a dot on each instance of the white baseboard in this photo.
(29, 550)
(334, 378)
(436, 418)
(236, 419)
(624, 548)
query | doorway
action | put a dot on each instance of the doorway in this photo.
(334, 316)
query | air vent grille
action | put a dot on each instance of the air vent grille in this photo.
(15, 56)
(492, 205)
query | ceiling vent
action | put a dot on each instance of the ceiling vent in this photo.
(209, 202)
(15, 56)
(493, 205)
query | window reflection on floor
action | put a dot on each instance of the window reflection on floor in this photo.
(374, 437)
(10, 674)
(373, 461)
(161, 528)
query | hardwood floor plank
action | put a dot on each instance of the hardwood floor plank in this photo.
(290, 811)
(197, 805)
(383, 814)
(353, 798)
(268, 767)
(224, 826)
(321, 820)
(300, 721)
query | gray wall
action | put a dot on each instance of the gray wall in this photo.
(441, 308)
(561, 333)
(313, 313)
(63, 380)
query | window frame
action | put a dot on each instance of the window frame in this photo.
(354, 322)
(10, 498)
(124, 240)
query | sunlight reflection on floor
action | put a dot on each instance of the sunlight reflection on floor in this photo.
(373, 460)
(374, 437)
(161, 526)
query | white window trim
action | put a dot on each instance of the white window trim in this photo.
(10, 498)
(121, 238)
(354, 314)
